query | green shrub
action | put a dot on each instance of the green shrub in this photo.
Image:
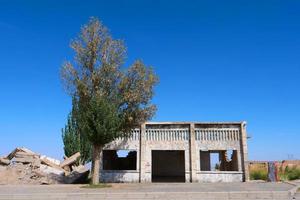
(289, 173)
(259, 175)
(293, 173)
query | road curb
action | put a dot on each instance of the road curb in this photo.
(294, 189)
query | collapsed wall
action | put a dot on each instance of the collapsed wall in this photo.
(23, 166)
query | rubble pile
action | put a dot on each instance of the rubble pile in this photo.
(23, 166)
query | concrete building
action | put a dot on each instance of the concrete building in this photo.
(178, 152)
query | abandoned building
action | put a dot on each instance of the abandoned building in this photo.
(178, 152)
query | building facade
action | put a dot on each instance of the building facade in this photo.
(178, 152)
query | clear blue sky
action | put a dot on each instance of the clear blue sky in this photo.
(217, 61)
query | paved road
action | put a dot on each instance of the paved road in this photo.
(207, 191)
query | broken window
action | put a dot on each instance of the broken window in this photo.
(218, 160)
(119, 160)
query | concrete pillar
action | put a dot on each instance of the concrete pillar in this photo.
(193, 166)
(142, 153)
(244, 151)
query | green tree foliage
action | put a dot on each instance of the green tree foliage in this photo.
(75, 142)
(110, 99)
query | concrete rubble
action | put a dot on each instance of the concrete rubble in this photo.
(23, 166)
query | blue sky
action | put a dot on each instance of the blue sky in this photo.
(217, 61)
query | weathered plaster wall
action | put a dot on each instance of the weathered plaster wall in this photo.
(129, 176)
(219, 176)
(157, 136)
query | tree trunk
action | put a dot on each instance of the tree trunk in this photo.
(96, 164)
(92, 169)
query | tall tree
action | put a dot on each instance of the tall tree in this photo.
(74, 141)
(110, 100)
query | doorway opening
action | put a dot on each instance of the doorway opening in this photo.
(168, 166)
